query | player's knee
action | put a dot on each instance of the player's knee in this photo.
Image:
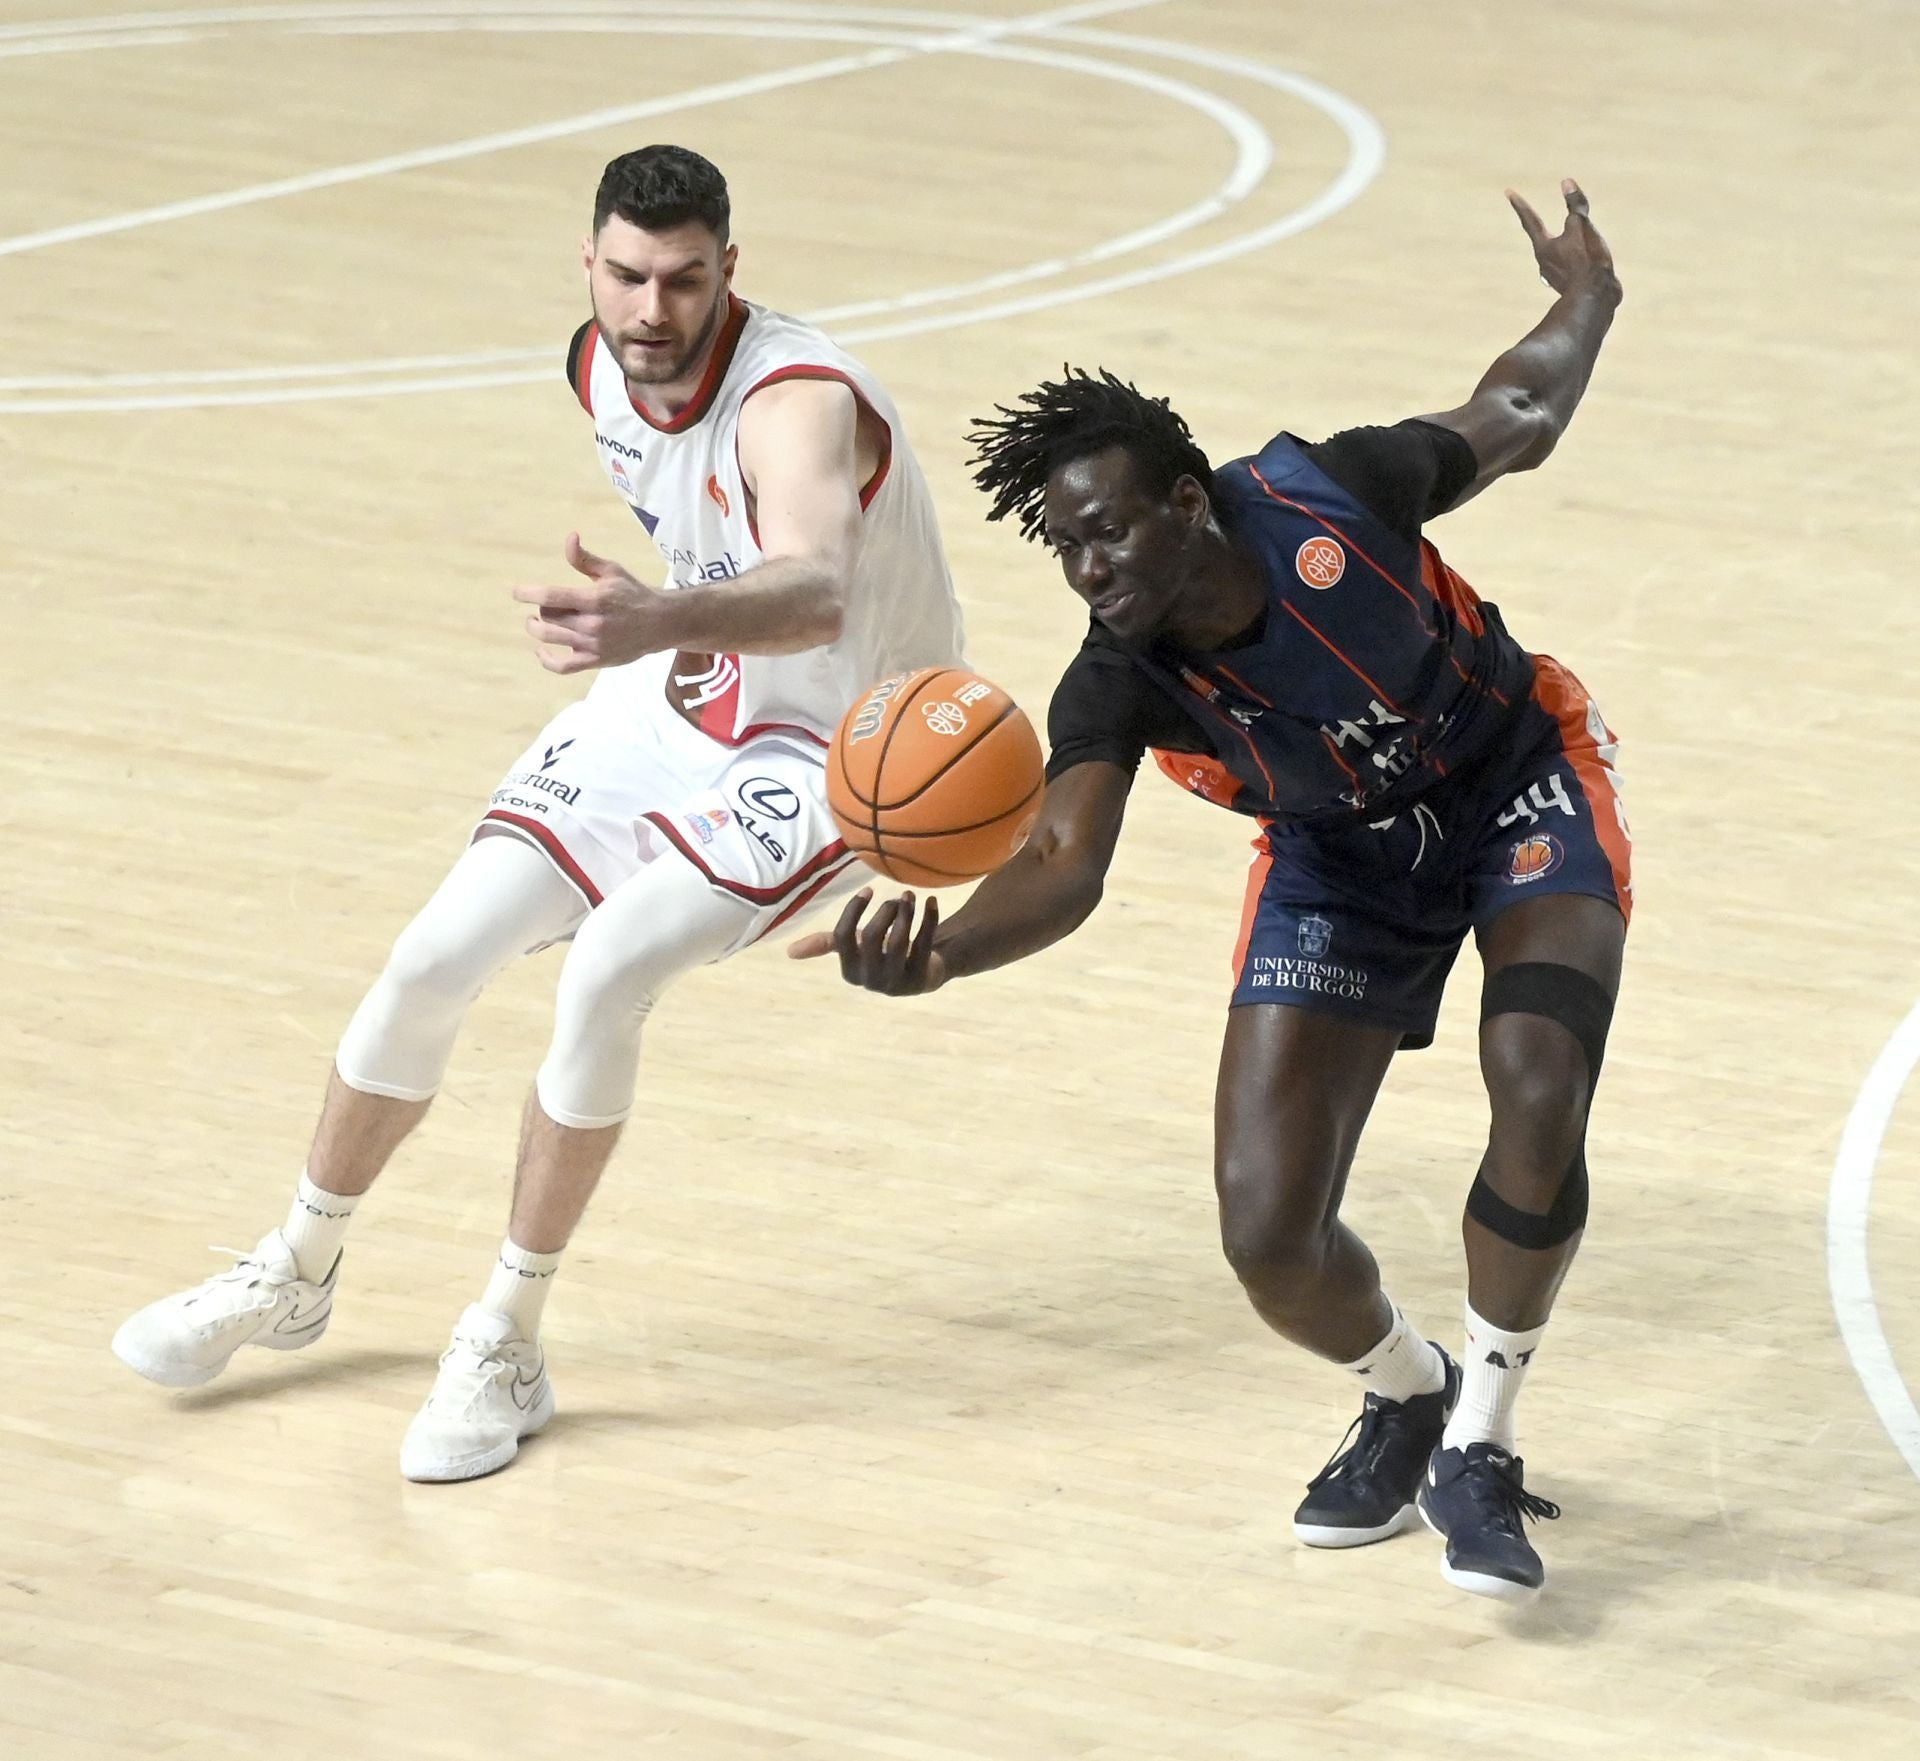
(1271, 1240)
(1539, 1085)
(601, 981)
(428, 967)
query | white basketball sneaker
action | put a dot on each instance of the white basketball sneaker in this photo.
(186, 1339)
(492, 1390)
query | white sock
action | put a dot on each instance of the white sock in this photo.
(315, 1228)
(1492, 1367)
(519, 1285)
(1402, 1365)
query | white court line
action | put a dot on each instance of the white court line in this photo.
(618, 114)
(488, 368)
(1253, 159)
(1849, 1277)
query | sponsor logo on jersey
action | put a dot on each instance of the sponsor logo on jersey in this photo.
(1320, 562)
(553, 755)
(532, 779)
(689, 567)
(708, 821)
(774, 799)
(618, 449)
(761, 836)
(1533, 858)
(650, 521)
(1316, 937)
(944, 717)
(1362, 733)
(718, 497)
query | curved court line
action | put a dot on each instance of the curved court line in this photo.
(1253, 159)
(1849, 1277)
(539, 133)
(490, 368)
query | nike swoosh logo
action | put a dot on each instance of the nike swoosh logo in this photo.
(298, 1319)
(531, 1386)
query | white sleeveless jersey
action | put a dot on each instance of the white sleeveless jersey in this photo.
(682, 480)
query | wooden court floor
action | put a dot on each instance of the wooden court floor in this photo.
(907, 1407)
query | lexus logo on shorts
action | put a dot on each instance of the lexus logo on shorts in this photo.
(944, 718)
(773, 799)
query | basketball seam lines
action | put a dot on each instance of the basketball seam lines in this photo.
(910, 692)
(949, 831)
(958, 753)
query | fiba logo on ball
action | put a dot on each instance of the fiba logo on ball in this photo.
(1534, 858)
(1320, 562)
(934, 777)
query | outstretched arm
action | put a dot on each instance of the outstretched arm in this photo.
(1045, 892)
(1525, 400)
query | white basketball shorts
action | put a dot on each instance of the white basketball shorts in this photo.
(603, 795)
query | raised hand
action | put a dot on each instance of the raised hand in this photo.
(1577, 256)
(885, 955)
(608, 619)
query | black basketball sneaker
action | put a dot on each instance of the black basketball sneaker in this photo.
(1366, 1492)
(1476, 1499)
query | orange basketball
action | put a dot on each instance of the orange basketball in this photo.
(935, 777)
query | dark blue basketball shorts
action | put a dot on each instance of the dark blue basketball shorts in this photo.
(1365, 921)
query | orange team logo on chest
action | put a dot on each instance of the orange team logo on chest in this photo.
(1320, 562)
(719, 496)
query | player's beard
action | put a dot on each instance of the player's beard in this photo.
(681, 364)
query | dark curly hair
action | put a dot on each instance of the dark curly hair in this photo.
(1018, 449)
(659, 188)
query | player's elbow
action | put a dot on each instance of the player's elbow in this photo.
(1076, 879)
(830, 613)
(817, 600)
(1532, 429)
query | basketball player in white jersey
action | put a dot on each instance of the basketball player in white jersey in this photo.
(672, 816)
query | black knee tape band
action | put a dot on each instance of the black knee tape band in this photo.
(1581, 1005)
(1561, 993)
(1529, 1228)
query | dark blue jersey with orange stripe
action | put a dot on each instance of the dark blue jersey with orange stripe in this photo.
(1374, 674)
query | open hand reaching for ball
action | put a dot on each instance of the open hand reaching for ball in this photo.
(885, 954)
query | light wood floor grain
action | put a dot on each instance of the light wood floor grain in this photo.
(907, 1408)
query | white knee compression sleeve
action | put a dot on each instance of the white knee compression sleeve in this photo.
(661, 923)
(499, 900)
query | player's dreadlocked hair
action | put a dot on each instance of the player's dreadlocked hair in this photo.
(1067, 419)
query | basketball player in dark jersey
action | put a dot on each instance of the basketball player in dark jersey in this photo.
(1282, 637)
